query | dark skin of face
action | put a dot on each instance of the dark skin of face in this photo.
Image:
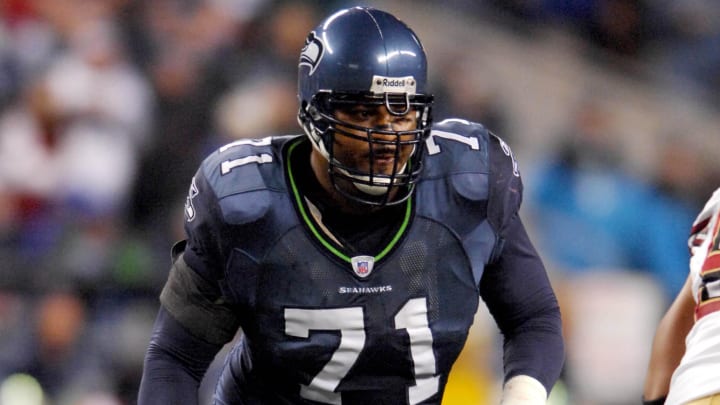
(356, 152)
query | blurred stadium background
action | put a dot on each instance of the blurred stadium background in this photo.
(108, 106)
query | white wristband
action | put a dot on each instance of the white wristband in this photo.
(523, 390)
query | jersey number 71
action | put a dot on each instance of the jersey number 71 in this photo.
(412, 317)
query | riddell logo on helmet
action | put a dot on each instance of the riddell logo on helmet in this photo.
(383, 84)
(393, 83)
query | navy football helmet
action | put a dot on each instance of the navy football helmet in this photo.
(365, 56)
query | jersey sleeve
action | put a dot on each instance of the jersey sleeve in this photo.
(194, 320)
(701, 227)
(704, 244)
(515, 285)
(228, 191)
(203, 228)
(505, 189)
(193, 294)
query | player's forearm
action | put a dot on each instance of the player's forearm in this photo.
(175, 363)
(521, 299)
(537, 350)
(663, 362)
(668, 345)
(163, 382)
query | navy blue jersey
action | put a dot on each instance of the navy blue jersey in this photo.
(323, 323)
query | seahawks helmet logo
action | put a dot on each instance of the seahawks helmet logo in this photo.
(312, 52)
(189, 207)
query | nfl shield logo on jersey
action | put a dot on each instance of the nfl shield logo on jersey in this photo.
(362, 265)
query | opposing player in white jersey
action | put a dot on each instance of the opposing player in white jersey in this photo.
(685, 362)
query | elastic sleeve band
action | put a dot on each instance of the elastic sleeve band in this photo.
(658, 401)
(196, 305)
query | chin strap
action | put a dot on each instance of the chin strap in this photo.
(523, 390)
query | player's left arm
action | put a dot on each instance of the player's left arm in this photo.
(668, 345)
(518, 293)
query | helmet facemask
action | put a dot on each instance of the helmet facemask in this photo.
(369, 184)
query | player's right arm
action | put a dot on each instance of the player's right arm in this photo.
(195, 319)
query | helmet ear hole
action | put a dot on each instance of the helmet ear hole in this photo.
(314, 113)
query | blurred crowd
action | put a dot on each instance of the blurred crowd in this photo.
(108, 106)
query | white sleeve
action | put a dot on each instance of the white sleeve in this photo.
(702, 226)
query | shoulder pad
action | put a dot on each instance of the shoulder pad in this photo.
(458, 149)
(460, 126)
(242, 175)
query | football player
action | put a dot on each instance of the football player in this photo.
(353, 257)
(686, 348)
